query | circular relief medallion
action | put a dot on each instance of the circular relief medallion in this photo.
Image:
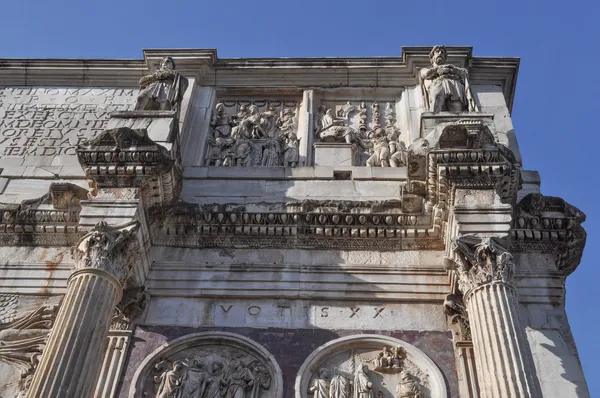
(208, 365)
(369, 366)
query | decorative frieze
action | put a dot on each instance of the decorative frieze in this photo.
(195, 226)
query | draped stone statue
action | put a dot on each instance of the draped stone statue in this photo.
(162, 90)
(341, 387)
(363, 386)
(445, 86)
(320, 385)
(170, 381)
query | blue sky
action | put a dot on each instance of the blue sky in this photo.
(556, 106)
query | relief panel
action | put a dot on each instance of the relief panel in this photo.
(209, 365)
(369, 366)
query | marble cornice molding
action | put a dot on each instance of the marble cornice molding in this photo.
(50, 220)
(549, 224)
(208, 69)
(127, 158)
(112, 249)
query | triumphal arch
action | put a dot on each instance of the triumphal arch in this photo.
(189, 226)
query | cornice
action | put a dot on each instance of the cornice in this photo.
(205, 66)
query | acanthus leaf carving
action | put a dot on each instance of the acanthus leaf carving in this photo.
(110, 248)
(482, 261)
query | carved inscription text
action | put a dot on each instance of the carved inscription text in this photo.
(47, 121)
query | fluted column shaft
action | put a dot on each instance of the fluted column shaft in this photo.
(71, 361)
(505, 366)
(502, 354)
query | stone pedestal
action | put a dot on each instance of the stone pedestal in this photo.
(502, 354)
(72, 359)
(334, 154)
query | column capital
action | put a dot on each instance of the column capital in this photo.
(113, 249)
(480, 261)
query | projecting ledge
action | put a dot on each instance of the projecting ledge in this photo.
(296, 173)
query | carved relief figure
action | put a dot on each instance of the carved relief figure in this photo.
(341, 387)
(23, 340)
(408, 386)
(216, 382)
(399, 154)
(363, 386)
(320, 385)
(162, 90)
(194, 380)
(333, 128)
(240, 379)
(261, 378)
(253, 138)
(445, 86)
(381, 149)
(170, 381)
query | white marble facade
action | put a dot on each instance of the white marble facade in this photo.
(190, 226)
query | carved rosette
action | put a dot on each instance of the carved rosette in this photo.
(112, 249)
(481, 263)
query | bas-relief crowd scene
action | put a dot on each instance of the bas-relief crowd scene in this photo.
(265, 133)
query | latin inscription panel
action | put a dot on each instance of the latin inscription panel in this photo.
(176, 311)
(50, 121)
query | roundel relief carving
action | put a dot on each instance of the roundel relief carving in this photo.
(208, 365)
(369, 366)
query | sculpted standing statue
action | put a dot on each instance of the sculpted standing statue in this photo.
(445, 86)
(170, 381)
(341, 387)
(321, 384)
(162, 90)
(261, 379)
(239, 380)
(363, 386)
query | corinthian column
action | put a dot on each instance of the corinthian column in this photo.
(502, 354)
(73, 355)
